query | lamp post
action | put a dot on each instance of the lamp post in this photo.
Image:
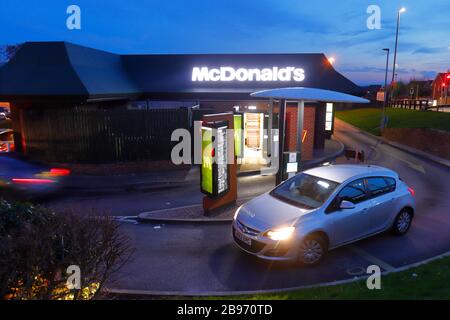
(385, 90)
(401, 10)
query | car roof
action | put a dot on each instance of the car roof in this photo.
(343, 172)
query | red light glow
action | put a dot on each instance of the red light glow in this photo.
(59, 172)
(32, 181)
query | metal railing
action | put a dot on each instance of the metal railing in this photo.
(413, 104)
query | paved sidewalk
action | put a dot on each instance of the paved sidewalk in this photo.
(194, 213)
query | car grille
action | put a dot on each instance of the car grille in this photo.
(247, 230)
(255, 247)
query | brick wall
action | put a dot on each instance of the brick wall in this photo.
(291, 130)
(431, 141)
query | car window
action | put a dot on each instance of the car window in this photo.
(391, 183)
(354, 192)
(380, 185)
(305, 191)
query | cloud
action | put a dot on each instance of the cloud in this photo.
(428, 50)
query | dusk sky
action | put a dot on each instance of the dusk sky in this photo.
(336, 28)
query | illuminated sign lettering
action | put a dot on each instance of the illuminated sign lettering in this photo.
(224, 74)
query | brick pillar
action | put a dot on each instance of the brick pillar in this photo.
(291, 130)
(308, 125)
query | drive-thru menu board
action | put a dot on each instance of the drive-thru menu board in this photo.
(214, 171)
(238, 135)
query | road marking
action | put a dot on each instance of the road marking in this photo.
(371, 258)
(356, 271)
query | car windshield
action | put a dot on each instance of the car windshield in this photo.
(305, 191)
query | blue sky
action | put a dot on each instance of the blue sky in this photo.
(336, 28)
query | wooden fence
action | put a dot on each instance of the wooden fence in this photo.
(83, 135)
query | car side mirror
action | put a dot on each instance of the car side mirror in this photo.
(346, 205)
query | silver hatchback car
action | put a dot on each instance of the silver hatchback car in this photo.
(321, 209)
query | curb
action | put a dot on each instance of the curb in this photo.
(248, 173)
(252, 292)
(402, 147)
(314, 162)
(305, 165)
(419, 153)
(143, 219)
(183, 221)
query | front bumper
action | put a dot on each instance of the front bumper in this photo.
(265, 248)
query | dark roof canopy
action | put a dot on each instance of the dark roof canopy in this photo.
(65, 69)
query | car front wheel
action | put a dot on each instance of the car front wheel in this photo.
(402, 222)
(312, 250)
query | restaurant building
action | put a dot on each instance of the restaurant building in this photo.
(76, 104)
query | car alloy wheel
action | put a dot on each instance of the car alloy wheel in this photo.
(403, 222)
(311, 252)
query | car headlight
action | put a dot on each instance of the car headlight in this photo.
(237, 212)
(280, 233)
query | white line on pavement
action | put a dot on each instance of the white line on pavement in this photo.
(371, 258)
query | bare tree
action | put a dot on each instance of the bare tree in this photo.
(37, 246)
(8, 51)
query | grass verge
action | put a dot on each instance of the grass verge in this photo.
(368, 119)
(428, 281)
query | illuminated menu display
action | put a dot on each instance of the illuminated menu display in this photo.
(207, 161)
(221, 159)
(214, 170)
(238, 132)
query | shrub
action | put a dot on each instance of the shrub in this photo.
(37, 246)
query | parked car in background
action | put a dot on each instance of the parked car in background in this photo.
(321, 209)
(6, 140)
(20, 179)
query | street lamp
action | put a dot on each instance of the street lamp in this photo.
(385, 90)
(403, 9)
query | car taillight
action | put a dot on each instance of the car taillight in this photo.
(411, 190)
(59, 172)
(32, 181)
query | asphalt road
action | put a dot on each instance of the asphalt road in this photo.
(134, 202)
(202, 258)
